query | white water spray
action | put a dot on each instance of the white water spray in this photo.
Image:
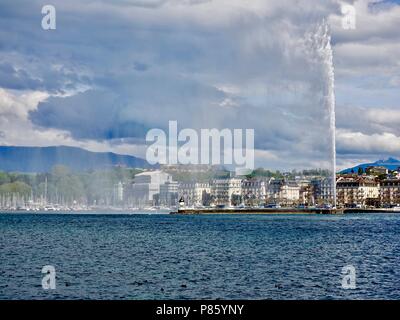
(322, 41)
(330, 101)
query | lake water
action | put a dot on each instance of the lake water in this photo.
(199, 257)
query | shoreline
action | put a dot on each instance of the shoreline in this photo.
(211, 211)
(280, 211)
(257, 211)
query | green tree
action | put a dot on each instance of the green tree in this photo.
(15, 187)
(4, 178)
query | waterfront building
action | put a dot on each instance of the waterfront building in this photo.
(302, 182)
(306, 195)
(389, 192)
(321, 189)
(273, 190)
(253, 192)
(169, 194)
(357, 191)
(284, 192)
(195, 193)
(227, 192)
(290, 193)
(146, 187)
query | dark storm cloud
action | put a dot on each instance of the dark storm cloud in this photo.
(10, 78)
(128, 107)
(88, 115)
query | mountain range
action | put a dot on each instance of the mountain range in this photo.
(42, 159)
(390, 163)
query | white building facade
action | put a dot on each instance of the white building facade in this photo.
(253, 192)
(226, 192)
(147, 185)
(194, 193)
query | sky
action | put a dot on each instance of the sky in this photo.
(113, 70)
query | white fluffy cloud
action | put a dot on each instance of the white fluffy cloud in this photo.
(359, 143)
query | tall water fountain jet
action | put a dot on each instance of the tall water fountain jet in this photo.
(322, 41)
(330, 101)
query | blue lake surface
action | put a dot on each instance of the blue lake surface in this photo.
(157, 256)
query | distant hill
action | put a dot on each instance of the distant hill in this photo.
(42, 159)
(390, 163)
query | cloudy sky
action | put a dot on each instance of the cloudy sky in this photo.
(112, 70)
